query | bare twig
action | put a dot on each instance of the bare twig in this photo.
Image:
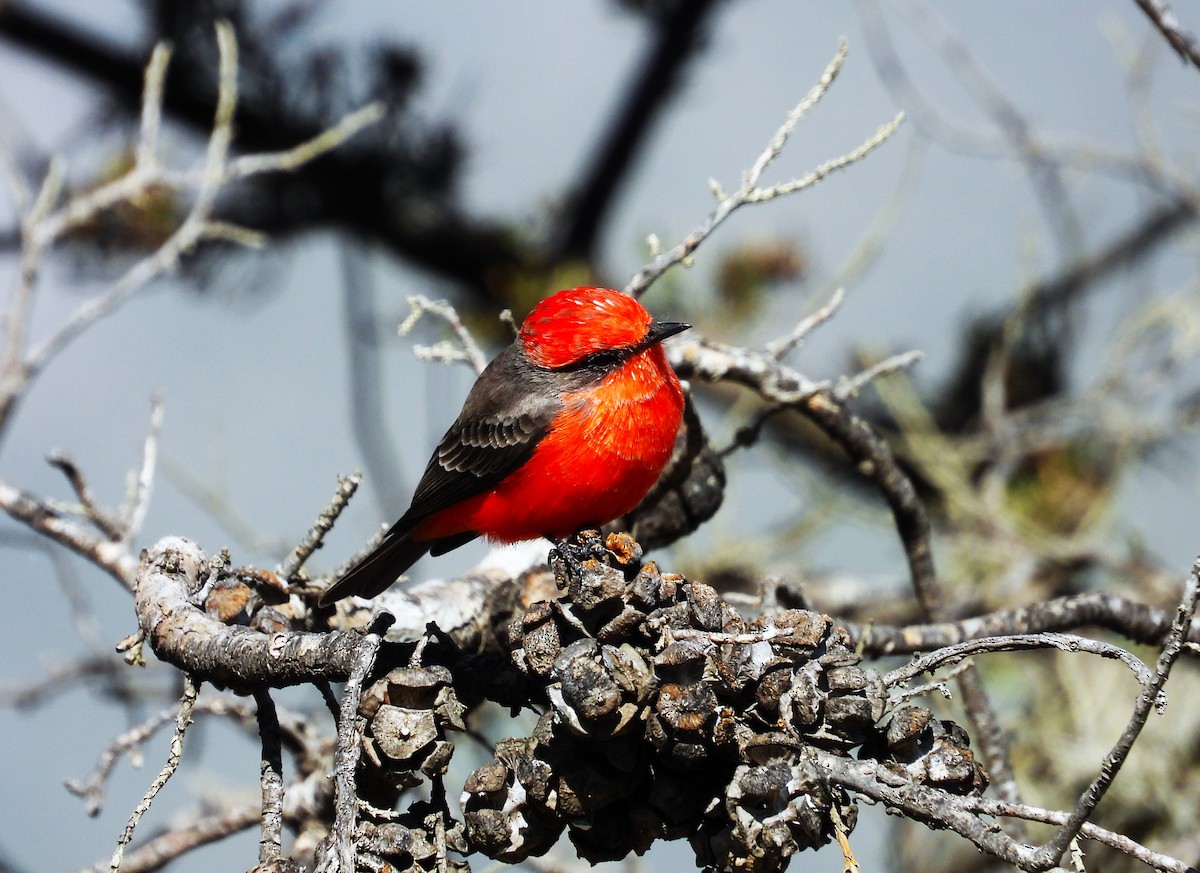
(469, 353)
(109, 526)
(182, 720)
(1120, 842)
(1180, 38)
(113, 558)
(1017, 643)
(41, 228)
(302, 802)
(271, 841)
(848, 387)
(91, 789)
(305, 152)
(961, 814)
(15, 317)
(941, 687)
(779, 347)
(1136, 621)
(156, 853)
(292, 564)
(882, 135)
(750, 192)
(340, 850)
(139, 503)
(1148, 700)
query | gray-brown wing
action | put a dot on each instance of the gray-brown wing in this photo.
(508, 412)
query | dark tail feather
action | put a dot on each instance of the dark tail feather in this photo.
(378, 570)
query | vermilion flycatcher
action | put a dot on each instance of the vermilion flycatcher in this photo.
(566, 429)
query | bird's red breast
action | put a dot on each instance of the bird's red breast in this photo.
(600, 456)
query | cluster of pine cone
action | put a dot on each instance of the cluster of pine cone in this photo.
(669, 715)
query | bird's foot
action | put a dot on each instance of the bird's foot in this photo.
(570, 554)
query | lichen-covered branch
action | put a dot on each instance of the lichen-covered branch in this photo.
(1137, 622)
(182, 634)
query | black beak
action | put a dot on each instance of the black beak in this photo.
(660, 330)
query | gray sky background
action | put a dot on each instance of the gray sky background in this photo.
(255, 383)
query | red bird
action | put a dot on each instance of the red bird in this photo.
(566, 429)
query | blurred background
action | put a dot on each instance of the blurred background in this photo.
(1030, 229)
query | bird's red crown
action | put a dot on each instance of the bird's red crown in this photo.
(569, 325)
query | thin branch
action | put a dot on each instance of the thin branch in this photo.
(91, 788)
(848, 387)
(1180, 38)
(113, 558)
(152, 98)
(1135, 621)
(183, 719)
(270, 844)
(139, 503)
(1150, 699)
(1017, 643)
(41, 229)
(17, 314)
(882, 135)
(1120, 842)
(340, 848)
(749, 192)
(156, 853)
(301, 803)
(109, 526)
(811, 99)
(961, 814)
(312, 541)
(470, 352)
(779, 347)
(922, 803)
(308, 151)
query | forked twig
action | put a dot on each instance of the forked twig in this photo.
(750, 192)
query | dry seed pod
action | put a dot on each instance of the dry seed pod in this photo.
(771, 811)
(599, 691)
(932, 751)
(410, 709)
(500, 819)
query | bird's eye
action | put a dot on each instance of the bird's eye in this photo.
(603, 359)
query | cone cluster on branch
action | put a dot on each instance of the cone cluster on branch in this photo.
(688, 493)
(664, 714)
(670, 715)
(407, 714)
